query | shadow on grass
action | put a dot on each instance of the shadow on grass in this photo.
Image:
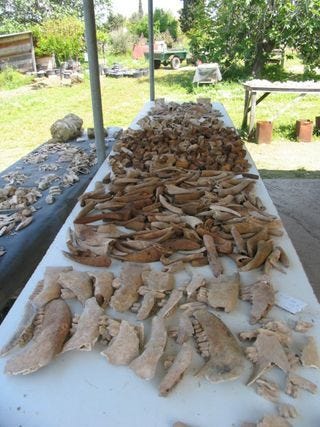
(289, 174)
(180, 78)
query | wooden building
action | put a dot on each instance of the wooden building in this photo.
(16, 51)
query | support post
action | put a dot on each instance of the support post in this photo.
(252, 113)
(151, 49)
(91, 39)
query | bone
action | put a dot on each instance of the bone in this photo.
(212, 255)
(51, 288)
(176, 371)
(87, 331)
(268, 352)
(223, 292)
(273, 421)
(174, 298)
(146, 364)
(261, 295)
(287, 411)
(196, 282)
(310, 356)
(124, 347)
(47, 344)
(267, 389)
(296, 382)
(78, 282)
(264, 249)
(102, 285)
(225, 355)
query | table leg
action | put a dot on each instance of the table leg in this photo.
(252, 112)
(245, 109)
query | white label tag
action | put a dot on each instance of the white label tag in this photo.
(289, 303)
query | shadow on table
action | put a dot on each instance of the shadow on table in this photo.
(289, 174)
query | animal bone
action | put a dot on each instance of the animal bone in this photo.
(302, 326)
(310, 355)
(273, 421)
(171, 303)
(78, 282)
(185, 329)
(296, 382)
(287, 411)
(264, 249)
(46, 344)
(102, 285)
(176, 371)
(87, 331)
(212, 255)
(145, 365)
(267, 351)
(130, 281)
(223, 292)
(261, 295)
(267, 389)
(225, 358)
(197, 282)
(124, 347)
(158, 280)
(50, 288)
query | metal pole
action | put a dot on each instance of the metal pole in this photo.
(91, 38)
(151, 49)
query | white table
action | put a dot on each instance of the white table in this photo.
(207, 73)
(81, 389)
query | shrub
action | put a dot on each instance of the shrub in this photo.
(62, 37)
(11, 79)
(120, 41)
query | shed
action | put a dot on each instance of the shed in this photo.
(16, 50)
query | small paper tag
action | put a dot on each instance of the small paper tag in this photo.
(289, 303)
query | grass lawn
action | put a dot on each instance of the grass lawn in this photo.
(26, 115)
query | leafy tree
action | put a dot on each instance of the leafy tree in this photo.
(35, 11)
(62, 37)
(189, 13)
(163, 22)
(248, 30)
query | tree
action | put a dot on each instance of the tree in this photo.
(163, 22)
(189, 13)
(248, 30)
(35, 11)
(140, 12)
(62, 37)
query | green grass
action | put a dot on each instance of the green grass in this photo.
(26, 116)
(12, 79)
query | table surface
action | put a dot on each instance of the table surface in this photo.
(289, 86)
(81, 389)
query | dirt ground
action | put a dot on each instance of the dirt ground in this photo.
(287, 156)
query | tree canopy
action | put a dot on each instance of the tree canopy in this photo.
(25, 12)
(228, 31)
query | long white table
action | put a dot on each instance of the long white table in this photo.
(82, 389)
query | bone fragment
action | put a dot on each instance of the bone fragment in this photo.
(287, 411)
(273, 421)
(267, 389)
(124, 347)
(267, 351)
(51, 288)
(264, 249)
(296, 382)
(158, 280)
(130, 281)
(310, 355)
(176, 371)
(196, 282)
(225, 355)
(302, 326)
(102, 285)
(261, 295)
(185, 329)
(48, 342)
(87, 331)
(78, 282)
(212, 255)
(174, 298)
(145, 365)
(223, 292)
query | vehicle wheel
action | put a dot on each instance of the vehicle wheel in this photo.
(157, 64)
(175, 63)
